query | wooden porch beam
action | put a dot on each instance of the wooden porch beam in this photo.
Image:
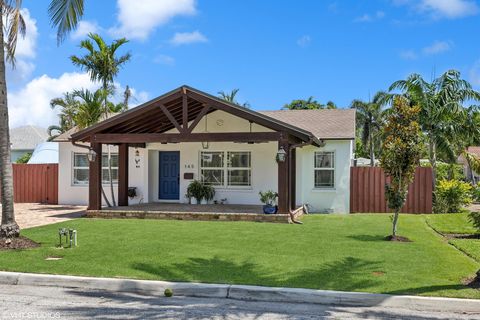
(199, 117)
(283, 177)
(170, 117)
(95, 179)
(184, 112)
(191, 137)
(123, 174)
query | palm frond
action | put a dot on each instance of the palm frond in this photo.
(65, 16)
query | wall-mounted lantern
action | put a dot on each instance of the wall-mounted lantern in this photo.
(91, 155)
(281, 155)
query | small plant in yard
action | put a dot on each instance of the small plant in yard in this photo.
(268, 198)
(451, 196)
(401, 154)
(195, 190)
(208, 192)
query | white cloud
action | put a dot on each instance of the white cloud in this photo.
(370, 17)
(450, 9)
(437, 47)
(137, 19)
(304, 41)
(31, 104)
(84, 28)
(25, 51)
(180, 38)
(408, 54)
(164, 59)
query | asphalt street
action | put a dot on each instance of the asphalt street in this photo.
(28, 302)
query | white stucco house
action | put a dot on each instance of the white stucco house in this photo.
(160, 146)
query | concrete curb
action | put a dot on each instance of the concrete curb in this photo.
(240, 292)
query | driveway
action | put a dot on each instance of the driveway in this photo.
(25, 302)
(30, 215)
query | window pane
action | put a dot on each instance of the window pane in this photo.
(239, 177)
(324, 160)
(105, 176)
(113, 157)
(80, 176)
(324, 178)
(211, 159)
(212, 177)
(239, 159)
(80, 160)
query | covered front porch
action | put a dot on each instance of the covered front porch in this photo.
(180, 211)
(175, 122)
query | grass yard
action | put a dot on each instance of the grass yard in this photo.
(336, 252)
(457, 223)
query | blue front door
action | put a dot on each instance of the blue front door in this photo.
(169, 175)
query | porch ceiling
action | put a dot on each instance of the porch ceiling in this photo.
(182, 109)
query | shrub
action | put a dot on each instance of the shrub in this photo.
(195, 189)
(476, 193)
(208, 192)
(268, 197)
(452, 195)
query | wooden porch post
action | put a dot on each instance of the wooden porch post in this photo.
(95, 179)
(123, 174)
(283, 177)
(293, 191)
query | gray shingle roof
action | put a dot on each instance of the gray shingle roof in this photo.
(27, 137)
(324, 124)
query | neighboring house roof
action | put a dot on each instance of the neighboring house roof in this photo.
(475, 150)
(306, 124)
(46, 152)
(27, 137)
(324, 123)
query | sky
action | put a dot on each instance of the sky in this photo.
(274, 51)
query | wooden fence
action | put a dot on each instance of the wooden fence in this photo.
(367, 191)
(36, 183)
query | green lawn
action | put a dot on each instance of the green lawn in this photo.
(336, 252)
(451, 223)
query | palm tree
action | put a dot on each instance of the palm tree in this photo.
(65, 15)
(103, 65)
(68, 109)
(90, 107)
(441, 105)
(231, 97)
(370, 118)
(309, 104)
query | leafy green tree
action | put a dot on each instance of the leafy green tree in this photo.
(68, 108)
(65, 15)
(90, 107)
(102, 64)
(400, 154)
(309, 104)
(24, 158)
(369, 121)
(231, 97)
(441, 108)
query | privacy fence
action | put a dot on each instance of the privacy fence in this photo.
(367, 191)
(35, 183)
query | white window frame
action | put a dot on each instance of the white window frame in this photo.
(333, 168)
(104, 166)
(226, 169)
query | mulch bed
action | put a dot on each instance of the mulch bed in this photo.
(17, 243)
(397, 239)
(461, 236)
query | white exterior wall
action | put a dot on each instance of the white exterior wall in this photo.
(143, 170)
(325, 200)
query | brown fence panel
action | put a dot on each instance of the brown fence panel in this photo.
(367, 191)
(35, 183)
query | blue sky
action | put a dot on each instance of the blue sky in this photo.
(274, 51)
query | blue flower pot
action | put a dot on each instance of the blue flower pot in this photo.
(269, 209)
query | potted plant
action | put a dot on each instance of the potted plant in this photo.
(207, 194)
(195, 192)
(269, 198)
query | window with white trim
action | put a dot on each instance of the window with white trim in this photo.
(226, 168)
(324, 169)
(81, 168)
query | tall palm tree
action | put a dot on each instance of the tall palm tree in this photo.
(370, 119)
(231, 97)
(441, 105)
(103, 64)
(65, 15)
(90, 107)
(68, 108)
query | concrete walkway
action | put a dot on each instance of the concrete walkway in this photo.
(30, 215)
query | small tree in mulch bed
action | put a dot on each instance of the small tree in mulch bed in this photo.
(400, 156)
